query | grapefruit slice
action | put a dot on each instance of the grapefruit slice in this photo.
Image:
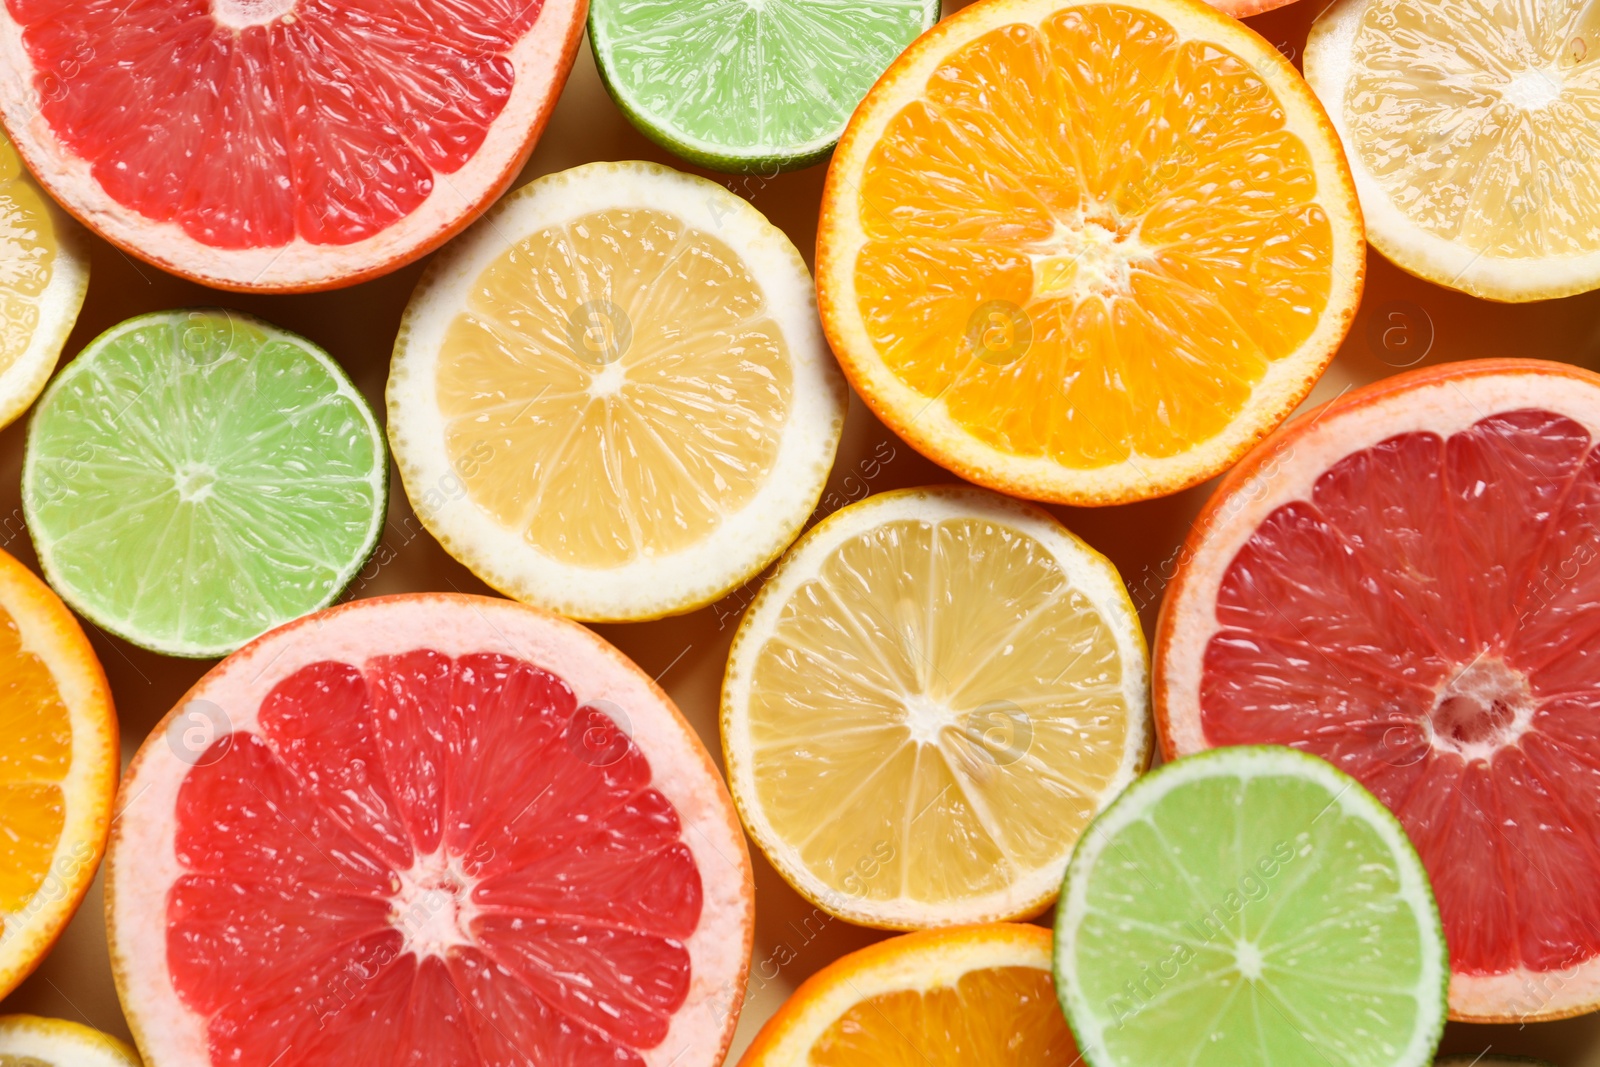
(281, 144)
(968, 996)
(1407, 583)
(428, 829)
(58, 769)
(29, 1041)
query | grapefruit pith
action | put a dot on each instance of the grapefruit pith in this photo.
(1406, 583)
(428, 829)
(281, 144)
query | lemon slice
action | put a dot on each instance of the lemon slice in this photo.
(1473, 130)
(927, 702)
(30, 1041)
(44, 272)
(612, 398)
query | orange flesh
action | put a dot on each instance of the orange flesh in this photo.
(1091, 239)
(999, 1017)
(614, 388)
(35, 755)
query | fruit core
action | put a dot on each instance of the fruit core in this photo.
(1482, 708)
(1532, 89)
(432, 905)
(242, 14)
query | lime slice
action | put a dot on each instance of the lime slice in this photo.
(1250, 907)
(195, 478)
(748, 85)
(1485, 1060)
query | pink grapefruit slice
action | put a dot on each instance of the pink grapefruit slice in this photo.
(1407, 583)
(281, 144)
(428, 829)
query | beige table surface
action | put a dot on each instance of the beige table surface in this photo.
(358, 325)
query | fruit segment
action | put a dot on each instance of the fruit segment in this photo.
(1425, 620)
(991, 1016)
(27, 255)
(615, 387)
(424, 856)
(251, 122)
(35, 758)
(1130, 211)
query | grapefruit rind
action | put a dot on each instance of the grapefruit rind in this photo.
(918, 961)
(1243, 762)
(1441, 400)
(1090, 573)
(49, 631)
(1329, 66)
(925, 423)
(650, 587)
(142, 865)
(61, 1043)
(542, 59)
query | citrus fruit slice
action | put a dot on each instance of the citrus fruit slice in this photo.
(194, 478)
(29, 1041)
(927, 702)
(970, 995)
(58, 769)
(1087, 252)
(612, 398)
(282, 144)
(1405, 584)
(738, 86)
(44, 272)
(428, 829)
(1250, 907)
(1474, 134)
(1491, 1061)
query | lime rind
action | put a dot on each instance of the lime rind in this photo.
(1363, 816)
(195, 478)
(755, 109)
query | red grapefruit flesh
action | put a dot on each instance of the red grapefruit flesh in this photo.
(428, 830)
(1407, 583)
(281, 144)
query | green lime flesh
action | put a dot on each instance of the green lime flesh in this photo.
(752, 86)
(196, 478)
(1250, 907)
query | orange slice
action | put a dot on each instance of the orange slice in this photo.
(58, 769)
(1088, 253)
(969, 995)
